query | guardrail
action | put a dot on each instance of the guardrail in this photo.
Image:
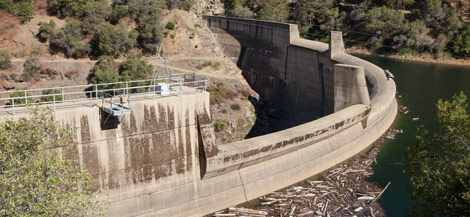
(17, 100)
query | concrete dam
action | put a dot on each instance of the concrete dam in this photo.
(162, 160)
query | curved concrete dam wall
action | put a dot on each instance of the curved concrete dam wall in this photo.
(161, 160)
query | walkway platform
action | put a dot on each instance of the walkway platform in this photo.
(19, 101)
(117, 110)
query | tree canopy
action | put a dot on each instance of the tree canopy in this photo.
(5, 62)
(106, 70)
(21, 8)
(39, 172)
(439, 163)
(274, 10)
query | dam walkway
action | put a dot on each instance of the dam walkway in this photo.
(114, 97)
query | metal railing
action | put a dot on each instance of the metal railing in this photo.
(17, 100)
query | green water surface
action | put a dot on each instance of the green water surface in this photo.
(419, 86)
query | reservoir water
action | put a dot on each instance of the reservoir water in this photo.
(419, 86)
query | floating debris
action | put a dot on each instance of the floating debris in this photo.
(415, 119)
(390, 134)
(343, 191)
(389, 74)
(403, 109)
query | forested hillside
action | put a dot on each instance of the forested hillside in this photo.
(433, 27)
(93, 28)
(98, 27)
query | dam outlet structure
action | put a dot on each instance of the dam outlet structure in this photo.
(161, 158)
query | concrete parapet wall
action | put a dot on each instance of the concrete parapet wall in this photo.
(259, 149)
(350, 86)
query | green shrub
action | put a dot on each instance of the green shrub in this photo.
(5, 62)
(69, 40)
(242, 12)
(220, 125)
(119, 11)
(219, 94)
(7, 5)
(145, 11)
(58, 97)
(104, 40)
(39, 161)
(95, 12)
(204, 65)
(191, 36)
(46, 30)
(74, 27)
(274, 10)
(134, 68)
(216, 66)
(188, 4)
(165, 34)
(170, 26)
(31, 66)
(24, 10)
(75, 8)
(197, 25)
(106, 70)
(404, 51)
(70, 45)
(172, 36)
(109, 40)
(150, 35)
(182, 4)
(19, 101)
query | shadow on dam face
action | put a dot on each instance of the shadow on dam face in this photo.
(288, 97)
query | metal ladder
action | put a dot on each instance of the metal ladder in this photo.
(164, 66)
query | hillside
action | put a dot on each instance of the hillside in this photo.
(430, 28)
(190, 48)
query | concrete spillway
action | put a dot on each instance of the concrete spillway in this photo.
(162, 159)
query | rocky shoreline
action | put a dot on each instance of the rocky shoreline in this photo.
(340, 191)
(409, 57)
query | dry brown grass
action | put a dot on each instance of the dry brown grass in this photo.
(220, 94)
(71, 74)
(41, 6)
(9, 26)
(245, 92)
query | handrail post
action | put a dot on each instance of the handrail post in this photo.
(63, 96)
(96, 91)
(13, 102)
(126, 91)
(25, 97)
(181, 86)
(54, 101)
